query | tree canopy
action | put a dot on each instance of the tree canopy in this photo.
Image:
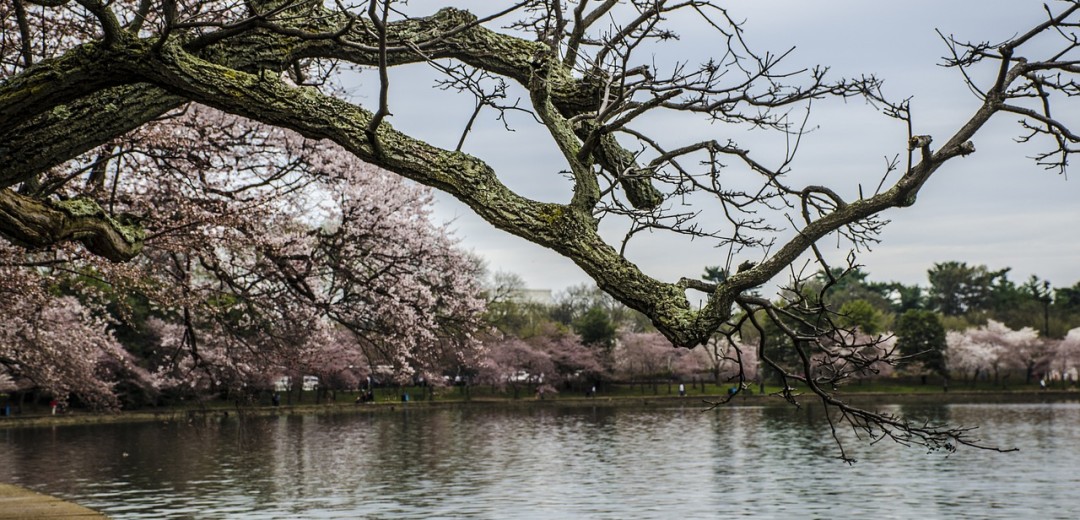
(267, 254)
(921, 336)
(84, 83)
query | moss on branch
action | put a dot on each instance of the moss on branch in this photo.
(34, 223)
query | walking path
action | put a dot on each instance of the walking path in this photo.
(17, 502)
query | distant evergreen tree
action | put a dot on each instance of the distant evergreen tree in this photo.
(921, 335)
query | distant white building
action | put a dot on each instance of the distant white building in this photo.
(284, 382)
(538, 296)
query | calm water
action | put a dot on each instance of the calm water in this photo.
(762, 462)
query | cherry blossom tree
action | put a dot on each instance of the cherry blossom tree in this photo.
(1025, 350)
(276, 244)
(58, 345)
(995, 348)
(857, 355)
(648, 356)
(968, 357)
(215, 366)
(730, 359)
(1064, 356)
(515, 364)
(553, 359)
(572, 360)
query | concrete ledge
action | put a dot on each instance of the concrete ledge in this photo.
(17, 502)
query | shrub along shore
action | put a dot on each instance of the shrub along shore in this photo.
(391, 400)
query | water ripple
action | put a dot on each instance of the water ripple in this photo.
(550, 462)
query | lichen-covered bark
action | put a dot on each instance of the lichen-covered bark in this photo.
(70, 108)
(48, 140)
(34, 223)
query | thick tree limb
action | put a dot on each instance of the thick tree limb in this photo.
(568, 230)
(36, 224)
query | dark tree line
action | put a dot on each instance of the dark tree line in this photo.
(963, 295)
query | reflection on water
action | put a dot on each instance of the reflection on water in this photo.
(549, 462)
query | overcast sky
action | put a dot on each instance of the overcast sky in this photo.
(995, 207)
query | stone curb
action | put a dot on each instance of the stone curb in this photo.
(17, 502)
